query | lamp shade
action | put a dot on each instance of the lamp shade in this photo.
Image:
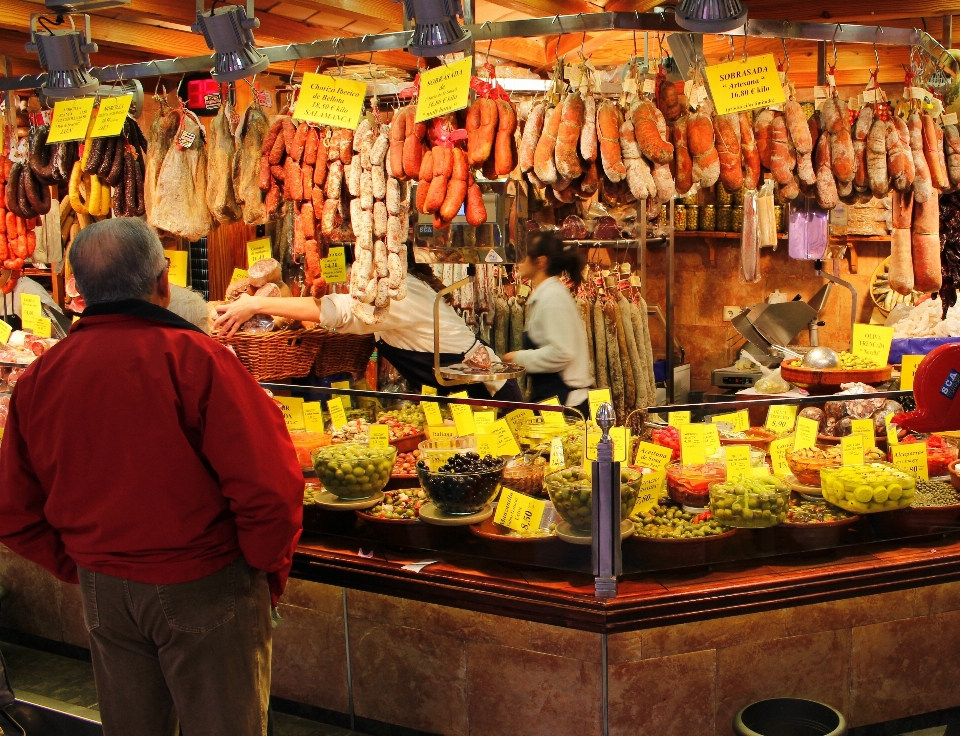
(227, 31)
(63, 54)
(436, 28)
(711, 16)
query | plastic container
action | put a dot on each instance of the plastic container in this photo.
(460, 494)
(806, 464)
(690, 484)
(757, 457)
(571, 491)
(436, 452)
(750, 503)
(535, 432)
(868, 488)
(305, 443)
(808, 229)
(353, 471)
(525, 475)
(789, 717)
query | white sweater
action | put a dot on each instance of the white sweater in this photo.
(553, 322)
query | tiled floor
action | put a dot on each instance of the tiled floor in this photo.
(71, 681)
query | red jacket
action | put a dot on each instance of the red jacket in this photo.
(141, 448)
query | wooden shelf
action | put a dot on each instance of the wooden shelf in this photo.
(716, 234)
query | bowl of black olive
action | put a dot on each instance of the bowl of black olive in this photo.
(464, 484)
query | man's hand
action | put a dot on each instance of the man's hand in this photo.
(508, 358)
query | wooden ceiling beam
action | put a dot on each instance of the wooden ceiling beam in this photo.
(391, 13)
(874, 12)
(548, 8)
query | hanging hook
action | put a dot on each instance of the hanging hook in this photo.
(876, 54)
(733, 48)
(583, 38)
(743, 56)
(786, 56)
(293, 71)
(637, 14)
(836, 30)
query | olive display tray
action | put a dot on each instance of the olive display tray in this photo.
(408, 443)
(568, 534)
(432, 515)
(410, 532)
(331, 502)
(810, 536)
(916, 520)
(677, 552)
(828, 381)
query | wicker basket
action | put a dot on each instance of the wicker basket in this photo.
(276, 355)
(343, 353)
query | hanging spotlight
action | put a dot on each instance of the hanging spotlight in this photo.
(65, 55)
(711, 16)
(229, 32)
(436, 28)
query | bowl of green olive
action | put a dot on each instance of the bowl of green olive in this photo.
(867, 488)
(354, 471)
(666, 536)
(571, 491)
(750, 503)
(813, 525)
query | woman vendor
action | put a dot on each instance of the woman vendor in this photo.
(555, 341)
(404, 337)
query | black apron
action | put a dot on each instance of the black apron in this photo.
(417, 368)
(545, 386)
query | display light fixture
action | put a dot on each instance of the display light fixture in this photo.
(64, 55)
(229, 32)
(436, 30)
(711, 16)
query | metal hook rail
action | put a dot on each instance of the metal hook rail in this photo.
(527, 28)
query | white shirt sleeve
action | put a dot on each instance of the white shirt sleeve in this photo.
(551, 316)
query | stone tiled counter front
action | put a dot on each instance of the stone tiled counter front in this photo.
(488, 650)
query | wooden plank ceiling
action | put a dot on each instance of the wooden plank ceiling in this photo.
(147, 29)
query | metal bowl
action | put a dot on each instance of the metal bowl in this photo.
(821, 358)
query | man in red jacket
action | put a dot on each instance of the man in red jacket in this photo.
(141, 457)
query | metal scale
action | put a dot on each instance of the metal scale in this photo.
(502, 239)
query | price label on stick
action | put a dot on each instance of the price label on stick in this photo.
(379, 436)
(872, 342)
(42, 327)
(778, 456)
(257, 250)
(908, 369)
(519, 512)
(239, 273)
(431, 412)
(506, 442)
(851, 449)
(621, 441)
(111, 115)
(651, 488)
(596, 397)
(552, 418)
(30, 310)
(911, 458)
(737, 459)
(806, 436)
(179, 260)
(70, 120)
(444, 89)
(292, 408)
(486, 445)
(864, 427)
(693, 449)
(711, 435)
(482, 421)
(678, 418)
(558, 460)
(780, 419)
(463, 416)
(335, 266)
(739, 419)
(312, 416)
(892, 437)
(338, 416)
(442, 432)
(5, 331)
(517, 418)
(653, 456)
(738, 86)
(344, 399)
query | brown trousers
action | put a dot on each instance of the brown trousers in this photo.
(199, 651)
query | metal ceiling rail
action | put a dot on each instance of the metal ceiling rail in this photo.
(548, 26)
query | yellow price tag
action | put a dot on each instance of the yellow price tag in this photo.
(239, 273)
(621, 441)
(431, 413)
(442, 432)
(379, 436)
(486, 445)
(908, 369)
(739, 419)
(693, 442)
(518, 511)
(596, 397)
(552, 418)
(851, 449)
(911, 458)
(427, 390)
(444, 89)
(292, 408)
(711, 437)
(864, 427)
(42, 327)
(506, 442)
(335, 266)
(338, 417)
(463, 416)
(678, 418)
(111, 116)
(558, 460)
(335, 101)
(344, 399)
(738, 86)
(807, 431)
(312, 416)
(651, 489)
(737, 460)
(179, 260)
(71, 118)
(892, 429)
(482, 421)
(653, 456)
(778, 456)
(780, 419)
(258, 250)
(517, 418)
(5, 331)
(30, 310)
(872, 342)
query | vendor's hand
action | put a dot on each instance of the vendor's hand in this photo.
(234, 314)
(508, 358)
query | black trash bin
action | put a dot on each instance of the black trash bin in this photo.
(789, 717)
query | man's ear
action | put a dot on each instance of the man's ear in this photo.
(163, 289)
